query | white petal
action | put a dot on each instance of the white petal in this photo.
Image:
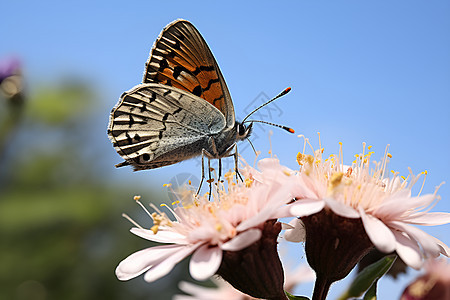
(428, 219)
(243, 240)
(408, 251)
(297, 234)
(306, 207)
(198, 292)
(341, 209)
(424, 239)
(205, 262)
(160, 237)
(164, 267)
(380, 235)
(138, 262)
(444, 248)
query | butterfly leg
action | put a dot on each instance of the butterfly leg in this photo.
(210, 181)
(236, 159)
(220, 170)
(203, 171)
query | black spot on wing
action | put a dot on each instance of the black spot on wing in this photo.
(202, 68)
(152, 97)
(177, 71)
(162, 65)
(197, 91)
(164, 119)
(129, 139)
(131, 122)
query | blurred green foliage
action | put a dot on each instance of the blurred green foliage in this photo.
(60, 227)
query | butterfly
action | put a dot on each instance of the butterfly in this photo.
(182, 108)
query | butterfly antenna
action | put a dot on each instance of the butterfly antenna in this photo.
(288, 129)
(253, 147)
(287, 90)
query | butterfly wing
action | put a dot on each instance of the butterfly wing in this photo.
(155, 125)
(181, 58)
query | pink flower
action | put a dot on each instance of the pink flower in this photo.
(231, 222)
(433, 285)
(383, 204)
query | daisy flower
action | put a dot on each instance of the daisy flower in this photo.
(346, 210)
(220, 234)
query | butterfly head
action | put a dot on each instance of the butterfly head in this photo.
(243, 131)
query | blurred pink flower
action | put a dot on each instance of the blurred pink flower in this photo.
(433, 285)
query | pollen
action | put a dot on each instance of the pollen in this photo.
(248, 182)
(176, 202)
(154, 229)
(167, 185)
(389, 155)
(137, 198)
(218, 227)
(300, 157)
(336, 179)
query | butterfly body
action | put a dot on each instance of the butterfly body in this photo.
(182, 109)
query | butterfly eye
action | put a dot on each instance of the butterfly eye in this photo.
(241, 130)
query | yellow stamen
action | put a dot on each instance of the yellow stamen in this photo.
(248, 182)
(300, 157)
(336, 179)
(154, 229)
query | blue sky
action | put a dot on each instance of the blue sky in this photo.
(360, 71)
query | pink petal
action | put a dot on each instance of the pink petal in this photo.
(243, 240)
(198, 292)
(428, 219)
(165, 266)
(138, 262)
(296, 233)
(424, 239)
(304, 188)
(205, 262)
(341, 209)
(380, 235)
(408, 250)
(444, 248)
(161, 237)
(306, 207)
(277, 197)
